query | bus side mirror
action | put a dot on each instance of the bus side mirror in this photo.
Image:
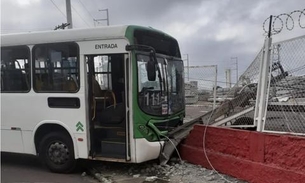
(151, 71)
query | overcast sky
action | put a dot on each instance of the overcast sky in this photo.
(210, 31)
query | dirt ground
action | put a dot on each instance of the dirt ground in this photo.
(198, 109)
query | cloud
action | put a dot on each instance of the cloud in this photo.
(185, 30)
(227, 32)
(210, 31)
(26, 2)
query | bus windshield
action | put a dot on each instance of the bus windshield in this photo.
(164, 96)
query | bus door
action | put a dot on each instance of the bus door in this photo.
(107, 101)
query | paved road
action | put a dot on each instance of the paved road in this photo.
(17, 168)
(196, 110)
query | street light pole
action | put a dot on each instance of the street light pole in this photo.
(228, 78)
(107, 19)
(215, 88)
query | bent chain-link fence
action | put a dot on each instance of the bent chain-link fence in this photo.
(239, 105)
(286, 104)
(237, 108)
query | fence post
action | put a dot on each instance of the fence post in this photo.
(262, 85)
(261, 98)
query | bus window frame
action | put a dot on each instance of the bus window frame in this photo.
(27, 48)
(77, 67)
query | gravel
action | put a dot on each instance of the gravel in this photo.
(175, 171)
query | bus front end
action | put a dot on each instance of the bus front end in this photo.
(158, 104)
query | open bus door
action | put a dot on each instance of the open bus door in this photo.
(107, 78)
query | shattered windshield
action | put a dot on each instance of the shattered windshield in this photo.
(175, 85)
(164, 96)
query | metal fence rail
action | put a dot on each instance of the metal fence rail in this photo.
(286, 103)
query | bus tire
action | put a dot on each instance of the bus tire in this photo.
(57, 153)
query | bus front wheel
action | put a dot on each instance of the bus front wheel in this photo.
(57, 152)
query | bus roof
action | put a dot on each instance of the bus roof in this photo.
(30, 38)
(97, 33)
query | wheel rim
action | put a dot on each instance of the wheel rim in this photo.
(58, 153)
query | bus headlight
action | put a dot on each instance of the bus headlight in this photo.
(146, 132)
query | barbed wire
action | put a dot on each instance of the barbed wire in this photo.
(285, 19)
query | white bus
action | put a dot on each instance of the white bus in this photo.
(110, 93)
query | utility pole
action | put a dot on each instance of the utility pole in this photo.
(103, 19)
(236, 66)
(69, 14)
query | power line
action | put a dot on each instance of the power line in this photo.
(74, 10)
(80, 16)
(58, 8)
(96, 4)
(85, 8)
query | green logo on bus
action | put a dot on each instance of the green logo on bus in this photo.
(79, 126)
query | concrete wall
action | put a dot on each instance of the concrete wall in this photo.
(251, 156)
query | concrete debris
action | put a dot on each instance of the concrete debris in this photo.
(151, 179)
(210, 178)
(84, 174)
(174, 171)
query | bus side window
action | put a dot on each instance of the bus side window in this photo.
(56, 67)
(15, 75)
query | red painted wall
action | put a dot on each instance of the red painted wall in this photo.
(252, 156)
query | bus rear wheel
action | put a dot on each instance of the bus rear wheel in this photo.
(57, 152)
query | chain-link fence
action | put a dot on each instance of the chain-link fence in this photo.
(286, 104)
(285, 111)
(269, 95)
(199, 90)
(237, 108)
(285, 108)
